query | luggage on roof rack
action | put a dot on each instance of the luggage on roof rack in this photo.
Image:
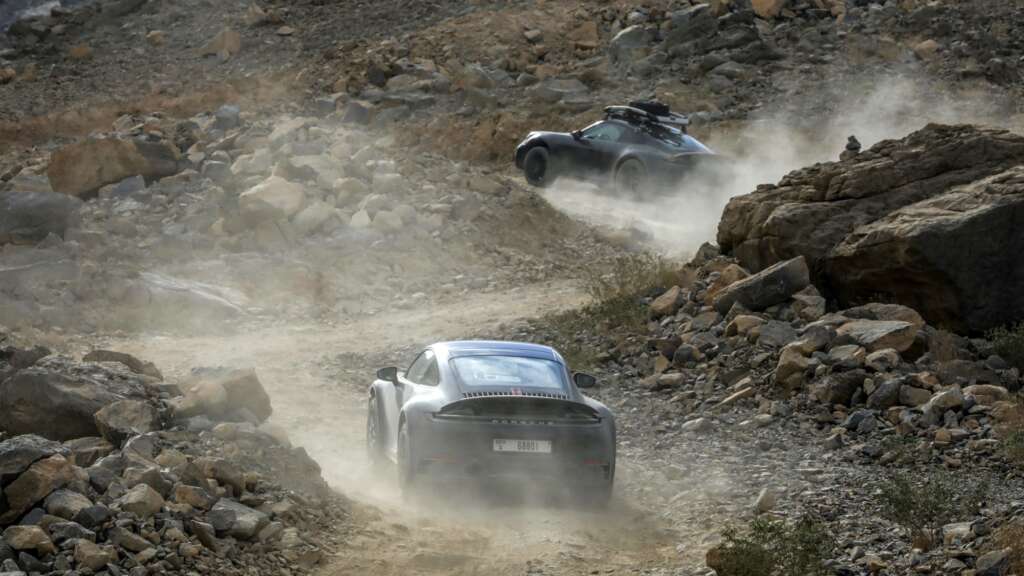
(651, 106)
(635, 115)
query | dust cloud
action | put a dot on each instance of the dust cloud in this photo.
(768, 146)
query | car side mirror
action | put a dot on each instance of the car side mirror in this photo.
(584, 380)
(577, 134)
(389, 374)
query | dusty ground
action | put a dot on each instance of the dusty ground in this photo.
(299, 364)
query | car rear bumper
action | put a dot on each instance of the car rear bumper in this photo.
(457, 449)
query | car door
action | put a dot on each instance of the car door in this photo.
(597, 148)
(422, 377)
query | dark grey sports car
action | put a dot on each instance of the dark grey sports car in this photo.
(494, 412)
(637, 149)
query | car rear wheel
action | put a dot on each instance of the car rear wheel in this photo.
(406, 462)
(375, 440)
(631, 178)
(537, 167)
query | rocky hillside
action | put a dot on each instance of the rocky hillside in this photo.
(107, 467)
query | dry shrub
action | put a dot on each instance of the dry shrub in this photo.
(769, 547)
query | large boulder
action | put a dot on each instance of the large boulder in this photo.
(123, 419)
(28, 217)
(223, 394)
(929, 221)
(34, 484)
(773, 285)
(82, 168)
(20, 452)
(57, 397)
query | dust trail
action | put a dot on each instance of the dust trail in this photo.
(768, 146)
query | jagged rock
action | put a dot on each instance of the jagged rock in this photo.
(987, 394)
(769, 287)
(57, 398)
(133, 363)
(839, 387)
(775, 334)
(913, 396)
(150, 476)
(66, 504)
(93, 516)
(220, 393)
(20, 452)
(668, 303)
(194, 496)
(84, 167)
(951, 399)
(912, 219)
(29, 538)
(61, 531)
(236, 520)
(84, 452)
(34, 484)
(791, 362)
(92, 556)
(876, 335)
(768, 8)
(142, 501)
(28, 217)
(883, 360)
(886, 394)
(629, 45)
(128, 540)
(272, 199)
(123, 419)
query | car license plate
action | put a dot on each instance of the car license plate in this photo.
(533, 446)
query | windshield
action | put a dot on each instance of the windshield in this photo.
(504, 371)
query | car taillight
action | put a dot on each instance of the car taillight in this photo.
(456, 411)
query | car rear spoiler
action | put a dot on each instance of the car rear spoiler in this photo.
(505, 406)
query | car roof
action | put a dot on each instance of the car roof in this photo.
(495, 348)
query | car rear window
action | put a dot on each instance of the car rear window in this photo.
(509, 371)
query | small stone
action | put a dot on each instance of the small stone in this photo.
(142, 501)
(128, 540)
(995, 563)
(66, 504)
(92, 556)
(697, 425)
(765, 501)
(29, 538)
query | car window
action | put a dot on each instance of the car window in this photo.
(514, 371)
(418, 368)
(606, 131)
(432, 377)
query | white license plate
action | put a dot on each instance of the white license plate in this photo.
(534, 446)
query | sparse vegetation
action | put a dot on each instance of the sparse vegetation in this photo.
(922, 508)
(770, 547)
(617, 305)
(1009, 344)
(1012, 433)
(1011, 536)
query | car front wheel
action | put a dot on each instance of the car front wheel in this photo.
(631, 178)
(537, 167)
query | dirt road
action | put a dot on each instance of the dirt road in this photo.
(324, 412)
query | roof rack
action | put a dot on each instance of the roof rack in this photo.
(635, 115)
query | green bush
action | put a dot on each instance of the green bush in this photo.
(1009, 344)
(771, 547)
(924, 506)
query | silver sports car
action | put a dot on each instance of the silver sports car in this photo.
(493, 412)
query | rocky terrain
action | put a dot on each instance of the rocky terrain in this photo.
(217, 219)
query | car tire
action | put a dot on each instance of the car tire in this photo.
(537, 167)
(631, 178)
(406, 463)
(376, 442)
